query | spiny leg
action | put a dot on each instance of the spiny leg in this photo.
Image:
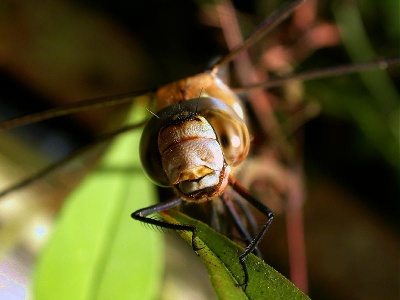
(142, 215)
(245, 194)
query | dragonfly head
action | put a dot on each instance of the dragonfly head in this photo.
(192, 146)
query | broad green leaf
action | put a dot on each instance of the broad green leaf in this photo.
(97, 251)
(221, 258)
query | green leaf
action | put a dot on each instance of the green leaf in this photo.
(96, 250)
(221, 258)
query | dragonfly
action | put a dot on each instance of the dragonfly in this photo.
(188, 107)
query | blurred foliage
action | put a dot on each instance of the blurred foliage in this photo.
(96, 250)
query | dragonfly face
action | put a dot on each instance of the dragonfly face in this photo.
(193, 143)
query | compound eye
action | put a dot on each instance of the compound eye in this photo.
(150, 155)
(232, 135)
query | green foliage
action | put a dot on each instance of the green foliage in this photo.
(368, 100)
(221, 258)
(97, 251)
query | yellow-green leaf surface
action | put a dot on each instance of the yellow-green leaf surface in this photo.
(97, 251)
(221, 258)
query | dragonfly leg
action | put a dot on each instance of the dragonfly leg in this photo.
(245, 194)
(246, 211)
(238, 222)
(143, 216)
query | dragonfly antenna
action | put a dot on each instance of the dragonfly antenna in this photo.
(154, 114)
